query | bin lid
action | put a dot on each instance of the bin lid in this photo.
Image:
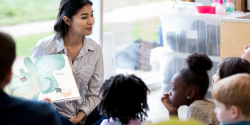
(241, 18)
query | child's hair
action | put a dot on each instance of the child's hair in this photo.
(7, 54)
(124, 98)
(234, 90)
(196, 72)
(233, 65)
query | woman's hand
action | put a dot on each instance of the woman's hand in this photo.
(47, 100)
(75, 121)
(78, 117)
(166, 102)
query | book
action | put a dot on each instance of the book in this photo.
(46, 76)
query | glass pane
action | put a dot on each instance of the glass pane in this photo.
(136, 26)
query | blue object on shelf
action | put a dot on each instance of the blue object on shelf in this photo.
(160, 35)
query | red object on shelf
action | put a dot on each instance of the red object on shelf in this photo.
(206, 9)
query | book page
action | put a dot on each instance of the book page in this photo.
(24, 83)
(55, 75)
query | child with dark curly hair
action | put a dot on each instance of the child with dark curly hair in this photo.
(189, 87)
(124, 100)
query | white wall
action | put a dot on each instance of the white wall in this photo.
(109, 55)
(106, 40)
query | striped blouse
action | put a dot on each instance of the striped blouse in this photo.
(87, 69)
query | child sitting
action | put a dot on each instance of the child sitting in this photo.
(124, 100)
(232, 99)
(231, 66)
(189, 87)
(15, 111)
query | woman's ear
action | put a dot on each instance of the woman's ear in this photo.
(235, 112)
(191, 93)
(66, 20)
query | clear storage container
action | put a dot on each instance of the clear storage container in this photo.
(188, 33)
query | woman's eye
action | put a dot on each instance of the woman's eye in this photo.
(92, 15)
(84, 17)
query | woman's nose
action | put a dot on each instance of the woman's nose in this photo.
(91, 20)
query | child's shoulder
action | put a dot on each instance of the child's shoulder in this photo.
(108, 122)
(201, 104)
(201, 107)
(202, 111)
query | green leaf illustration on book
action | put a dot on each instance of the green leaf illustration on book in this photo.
(39, 77)
(45, 66)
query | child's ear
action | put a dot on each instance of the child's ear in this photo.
(6, 80)
(191, 94)
(8, 77)
(235, 112)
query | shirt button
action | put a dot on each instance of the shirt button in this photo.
(69, 101)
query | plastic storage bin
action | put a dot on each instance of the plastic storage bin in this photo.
(188, 33)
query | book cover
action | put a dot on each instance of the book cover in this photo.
(46, 76)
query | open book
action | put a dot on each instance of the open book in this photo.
(46, 76)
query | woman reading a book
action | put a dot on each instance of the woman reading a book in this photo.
(74, 24)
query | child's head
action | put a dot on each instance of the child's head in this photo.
(192, 82)
(246, 53)
(124, 98)
(7, 57)
(231, 66)
(232, 98)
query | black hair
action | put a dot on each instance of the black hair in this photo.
(196, 72)
(7, 54)
(124, 98)
(69, 9)
(233, 65)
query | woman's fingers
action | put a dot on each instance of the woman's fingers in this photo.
(47, 100)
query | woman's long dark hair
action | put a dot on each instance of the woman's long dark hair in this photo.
(69, 9)
(124, 98)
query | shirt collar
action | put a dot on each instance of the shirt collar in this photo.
(59, 44)
(87, 45)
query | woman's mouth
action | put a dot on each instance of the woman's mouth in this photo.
(90, 28)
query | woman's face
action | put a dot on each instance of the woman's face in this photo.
(82, 22)
(177, 94)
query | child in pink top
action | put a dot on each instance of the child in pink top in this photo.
(124, 100)
(112, 122)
